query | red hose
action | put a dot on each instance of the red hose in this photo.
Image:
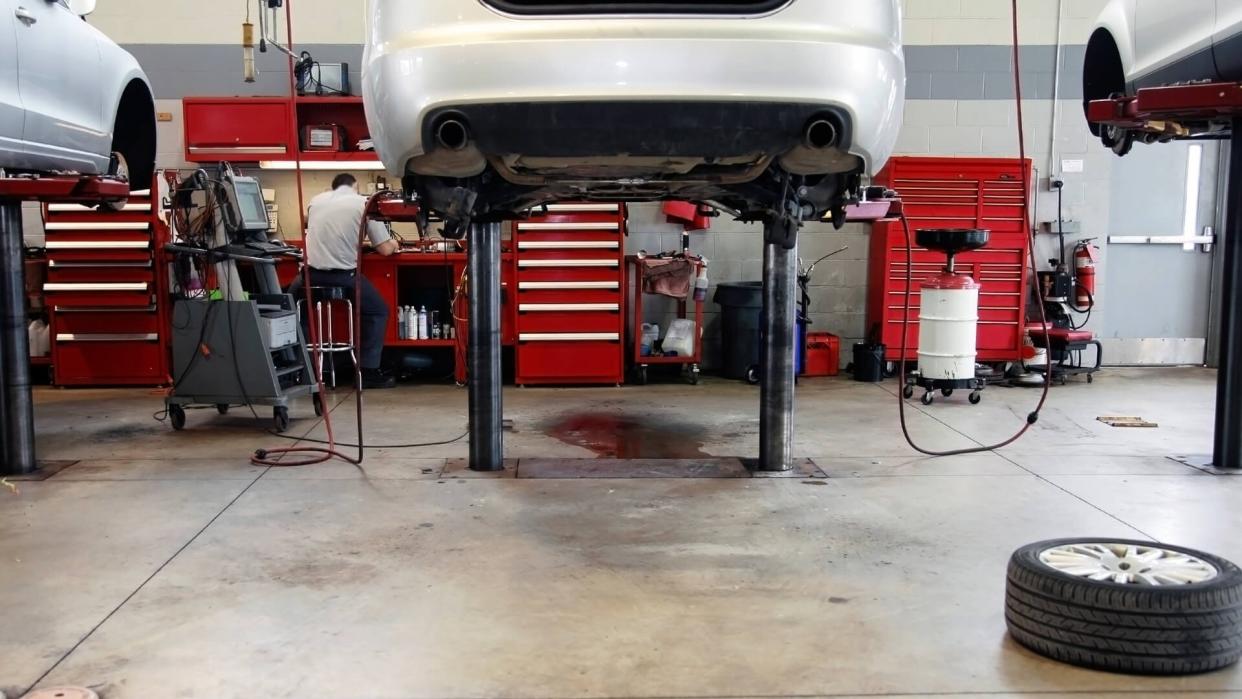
(1033, 417)
(319, 455)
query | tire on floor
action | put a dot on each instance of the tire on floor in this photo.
(1125, 606)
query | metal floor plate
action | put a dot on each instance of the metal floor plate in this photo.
(1203, 462)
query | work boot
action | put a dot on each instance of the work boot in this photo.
(374, 378)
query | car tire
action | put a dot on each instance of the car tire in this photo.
(1172, 628)
(117, 167)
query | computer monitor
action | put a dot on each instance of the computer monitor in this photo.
(251, 209)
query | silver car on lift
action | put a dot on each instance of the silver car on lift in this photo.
(526, 101)
(71, 100)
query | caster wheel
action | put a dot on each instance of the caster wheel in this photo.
(640, 375)
(317, 401)
(1090, 378)
(752, 376)
(222, 408)
(280, 418)
(176, 416)
(946, 392)
(694, 376)
(907, 392)
(975, 398)
(927, 398)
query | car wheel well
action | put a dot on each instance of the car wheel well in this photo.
(133, 133)
(1103, 74)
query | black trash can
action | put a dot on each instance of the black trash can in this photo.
(740, 306)
(869, 362)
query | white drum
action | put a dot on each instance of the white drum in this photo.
(948, 320)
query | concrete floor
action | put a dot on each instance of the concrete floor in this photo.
(163, 564)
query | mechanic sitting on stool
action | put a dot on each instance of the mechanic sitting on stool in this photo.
(332, 252)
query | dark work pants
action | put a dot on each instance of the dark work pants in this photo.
(374, 310)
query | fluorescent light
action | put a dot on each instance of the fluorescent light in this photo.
(1190, 215)
(322, 165)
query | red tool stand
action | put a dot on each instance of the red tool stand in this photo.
(16, 405)
(1208, 110)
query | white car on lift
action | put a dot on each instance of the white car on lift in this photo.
(70, 98)
(495, 106)
(1150, 43)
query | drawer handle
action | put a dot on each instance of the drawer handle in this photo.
(97, 244)
(96, 286)
(534, 286)
(53, 264)
(238, 149)
(582, 207)
(98, 226)
(548, 307)
(133, 206)
(568, 263)
(107, 337)
(102, 309)
(568, 245)
(568, 337)
(584, 226)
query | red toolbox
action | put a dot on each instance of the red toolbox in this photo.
(570, 300)
(106, 294)
(953, 193)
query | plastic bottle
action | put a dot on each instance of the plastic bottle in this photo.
(422, 324)
(435, 325)
(701, 283)
(401, 322)
(411, 324)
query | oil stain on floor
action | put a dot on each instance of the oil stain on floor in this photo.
(629, 436)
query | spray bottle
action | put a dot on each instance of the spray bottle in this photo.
(422, 324)
(701, 283)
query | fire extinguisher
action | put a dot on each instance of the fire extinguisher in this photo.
(1084, 274)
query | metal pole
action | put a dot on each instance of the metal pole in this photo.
(19, 451)
(483, 360)
(776, 358)
(1227, 447)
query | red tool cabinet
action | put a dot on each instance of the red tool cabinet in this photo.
(106, 294)
(570, 295)
(953, 193)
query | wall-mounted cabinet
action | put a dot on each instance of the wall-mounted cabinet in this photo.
(264, 130)
(247, 129)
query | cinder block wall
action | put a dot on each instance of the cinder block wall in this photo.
(959, 103)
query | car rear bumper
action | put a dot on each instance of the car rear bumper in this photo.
(407, 84)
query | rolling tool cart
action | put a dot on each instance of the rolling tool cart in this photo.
(231, 346)
(107, 299)
(570, 315)
(638, 272)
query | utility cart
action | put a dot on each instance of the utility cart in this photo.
(636, 273)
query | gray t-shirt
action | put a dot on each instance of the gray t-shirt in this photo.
(332, 229)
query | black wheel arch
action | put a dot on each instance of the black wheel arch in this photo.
(1103, 75)
(133, 133)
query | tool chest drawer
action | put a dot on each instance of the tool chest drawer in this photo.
(108, 317)
(544, 358)
(102, 359)
(546, 296)
(98, 271)
(570, 305)
(569, 317)
(107, 321)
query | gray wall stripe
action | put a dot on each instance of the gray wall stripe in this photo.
(967, 72)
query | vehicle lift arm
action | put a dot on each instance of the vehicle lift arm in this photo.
(1203, 111)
